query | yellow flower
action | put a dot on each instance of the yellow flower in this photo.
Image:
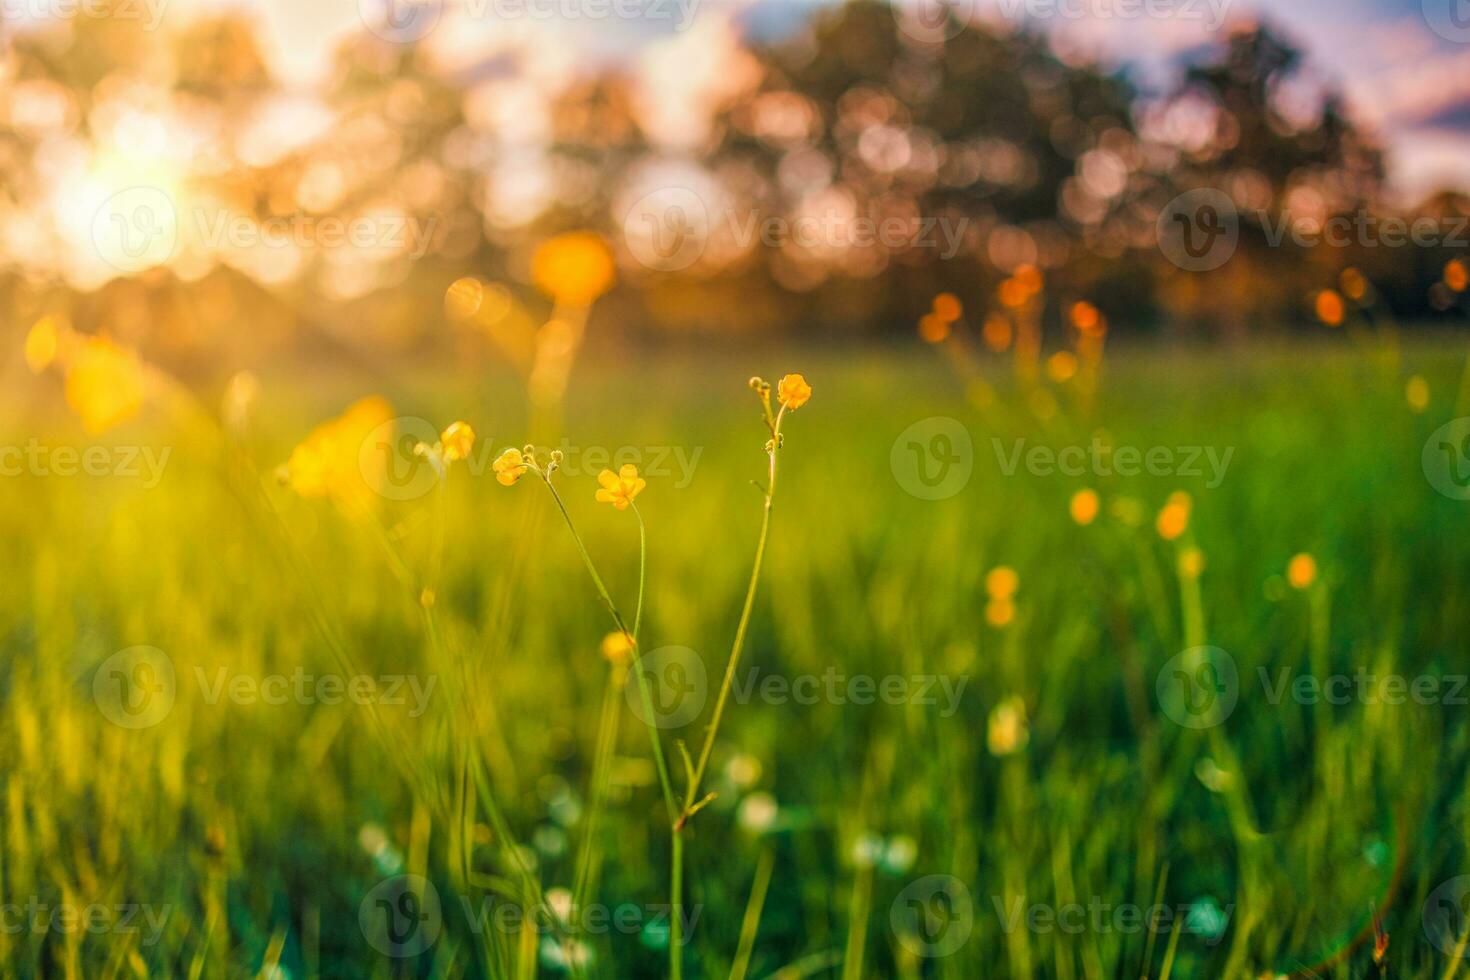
(335, 461)
(41, 344)
(793, 391)
(1191, 563)
(575, 268)
(1000, 612)
(621, 487)
(509, 467)
(104, 385)
(1301, 571)
(1084, 506)
(1174, 518)
(617, 647)
(1001, 583)
(1416, 392)
(1007, 731)
(457, 440)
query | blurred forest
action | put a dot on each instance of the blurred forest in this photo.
(991, 150)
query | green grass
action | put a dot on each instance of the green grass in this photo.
(244, 825)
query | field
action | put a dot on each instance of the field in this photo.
(925, 768)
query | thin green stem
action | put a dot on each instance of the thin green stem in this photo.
(676, 923)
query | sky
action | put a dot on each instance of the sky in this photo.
(1404, 64)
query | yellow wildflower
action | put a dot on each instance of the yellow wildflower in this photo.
(1084, 506)
(335, 461)
(1000, 612)
(1416, 393)
(509, 467)
(1002, 582)
(1191, 563)
(1301, 571)
(793, 391)
(104, 384)
(1007, 731)
(621, 487)
(617, 647)
(457, 441)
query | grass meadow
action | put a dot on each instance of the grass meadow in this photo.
(925, 768)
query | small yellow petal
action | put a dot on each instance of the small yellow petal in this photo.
(608, 479)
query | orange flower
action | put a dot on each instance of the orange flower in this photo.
(1301, 571)
(1457, 275)
(1001, 583)
(1084, 507)
(509, 467)
(934, 328)
(793, 391)
(947, 307)
(104, 384)
(1330, 307)
(575, 268)
(1173, 520)
(621, 487)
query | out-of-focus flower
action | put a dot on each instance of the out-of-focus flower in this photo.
(1329, 307)
(1084, 506)
(758, 812)
(42, 343)
(1416, 393)
(1001, 582)
(1129, 510)
(332, 461)
(1191, 563)
(1457, 275)
(1007, 731)
(934, 329)
(793, 391)
(1173, 519)
(947, 307)
(621, 487)
(617, 647)
(1000, 612)
(1354, 284)
(1085, 317)
(997, 332)
(1061, 366)
(574, 268)
(457, 441)
(509, 467)
(1301, 571)
(104, 384)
